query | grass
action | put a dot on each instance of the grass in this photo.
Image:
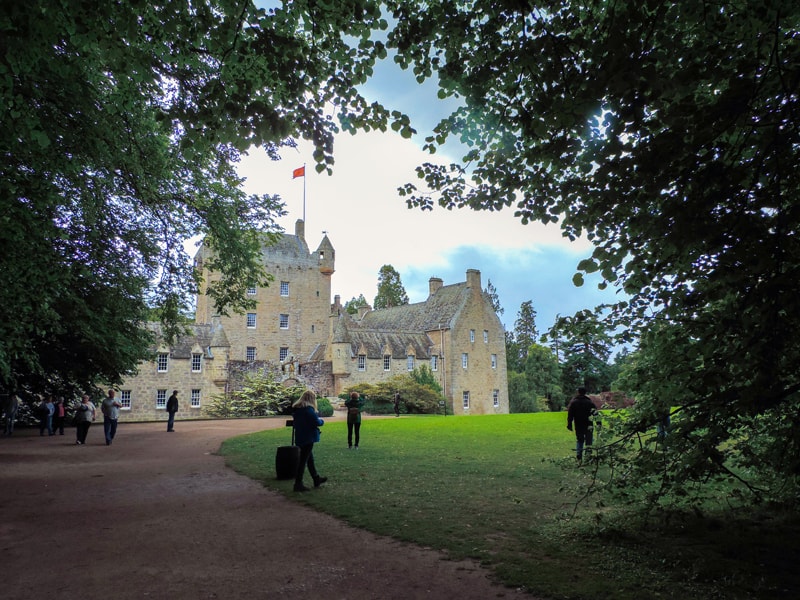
(502, 490)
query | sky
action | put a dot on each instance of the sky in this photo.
(370, 225)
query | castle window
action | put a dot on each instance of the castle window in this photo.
(434, 363)
(313, 328)
(162, 362)
(284, 289)
(251, 290)
(197, 363)
(465, 400)
(283, 353)
(250, 354)
(472, 336)
(195, 399)
(161, 399)
(410, 362)
(494, 361)
(495, 398)
(362, 362)
(251, 320)
(465, 360)
(284, 321)
(485, 336)
(125, 399)
(387, 362)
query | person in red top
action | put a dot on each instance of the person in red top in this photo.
(58, 416)
(580, 411)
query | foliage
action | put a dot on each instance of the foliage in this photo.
(666, 134)
(517, 486)
(352, 306)
(324, 407)
(520, 398)
(390, 289)
(260, 395)
(415, 397)
(525, 328)
(491, 291)
(586, 348)
(423, 375)
(121, 127)
(544, 374)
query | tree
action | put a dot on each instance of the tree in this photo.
(543, 374)
(666, 133)
(491, 291)
(121, 126)
(390, 289)
(525, 328)
(352, 305)
(586, 347)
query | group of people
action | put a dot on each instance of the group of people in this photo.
(86, 413)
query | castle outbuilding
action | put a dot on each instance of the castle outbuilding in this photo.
(294, 324)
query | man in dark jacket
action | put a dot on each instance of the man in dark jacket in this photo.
(580, 411)
(172, 408)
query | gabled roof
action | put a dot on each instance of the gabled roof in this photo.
(402, 328)
(203, 335)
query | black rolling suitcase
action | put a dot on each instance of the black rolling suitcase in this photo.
(287, 458)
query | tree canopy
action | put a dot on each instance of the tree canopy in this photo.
(390, 289)
(121, 128)
(667, 134)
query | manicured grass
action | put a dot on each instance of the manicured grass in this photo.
(502, 490)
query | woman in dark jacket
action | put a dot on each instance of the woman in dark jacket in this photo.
(306, 433)
(354, 405)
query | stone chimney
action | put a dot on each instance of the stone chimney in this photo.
(434, 283)
(300, 229)
(474, 279)
(362, 310)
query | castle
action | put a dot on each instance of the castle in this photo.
(456, 332)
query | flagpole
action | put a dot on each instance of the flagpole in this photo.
(304, 192)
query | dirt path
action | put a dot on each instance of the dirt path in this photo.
(158, 515)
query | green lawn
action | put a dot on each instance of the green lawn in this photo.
(502, 490)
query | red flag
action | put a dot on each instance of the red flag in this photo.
(299, 172)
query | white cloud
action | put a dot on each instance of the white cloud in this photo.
(370, 225)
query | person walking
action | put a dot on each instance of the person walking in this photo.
(46, 410)
(84, 416)
(580, 411)
(110, 410)
(396, 402)
(354, 405)
(306, 434)
(59, 414)
(172, 408)
(10, 408)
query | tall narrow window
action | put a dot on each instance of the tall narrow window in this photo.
(434, 363)
(284, 288)
(362, 362)
(494, 361)
(163, 362)
(161, 399)
(485, 336)
(195, 399)
(410, 362)
(284, 321)
(387, 362)
(125, 399)
(465, 399)
(472, 335)
(250, 354)
(495, 398)
(283, 353)
(465, 360)
(197, 363)
(251, 320)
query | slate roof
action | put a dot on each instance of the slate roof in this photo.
(204, 335)
(402, 327)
